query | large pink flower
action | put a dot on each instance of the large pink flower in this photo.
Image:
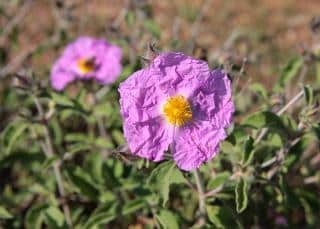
(87, 58)
(176, 103)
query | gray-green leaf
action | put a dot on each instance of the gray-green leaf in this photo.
(241, 192)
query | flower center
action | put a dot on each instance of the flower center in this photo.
(177, 110)
(86, 65)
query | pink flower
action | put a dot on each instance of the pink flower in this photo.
(178, 103)
(87, 58)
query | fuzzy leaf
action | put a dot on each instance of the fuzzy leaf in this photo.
(163, 176)
(133, 206)
(248, 151)
(241, 195)
(54, 217)
(263, 119)
(12, 133)
(167, 219)
(218, 180)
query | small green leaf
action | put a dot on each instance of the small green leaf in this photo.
(54, 216)
(297, 150)
(213, 214)
(118, 137)
(82, 181)
(167, 219)
(263, 119)
(308, 94)
(133, 206)
(61, 99)
(34, 217)
(4, 214)
(12, 133)
(93, 165)
(241, 195)
(218, 180)
(289, 72)
(130, 18)
(260, 89)
(248, 151)
(221, 217)
(102, 215)
(153, 28)
(163, 176)
(49, 161)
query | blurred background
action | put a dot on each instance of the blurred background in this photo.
(265, 32)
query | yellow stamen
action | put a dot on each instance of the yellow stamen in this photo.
(86, 65)
(177, 110)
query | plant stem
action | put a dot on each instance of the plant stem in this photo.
(280, 112)
(57, 173)
(48, 150)
(201, 196)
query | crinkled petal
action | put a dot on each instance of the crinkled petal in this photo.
(180, 74)
(148, 139)
(212, 101)
(143, 124)
(195, 144)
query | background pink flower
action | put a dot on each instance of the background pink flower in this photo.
(87, 58)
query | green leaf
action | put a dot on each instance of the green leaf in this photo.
(218, 180)
(248, 151)
(11, 134)
(118, 137)
(49, 161)
(102, 215)
(167, 219)
(61, 99)
(133, 206)
(221, 217)
(241, 195)
(54, 217)
(297, 150)
(308, 94)
(260, 89)
(25, 158)
(153, 28)
(130, 18)
(289, 72)
(104, 143)
(83, 182)
(263, 119)
(34, 217)
(163, 176)
(4, 214)
(94, 165)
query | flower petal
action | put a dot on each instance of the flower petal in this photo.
(212, 100)
(143, 125)
(195, 144)
(109, 59)
(148, 139)
(59, 77)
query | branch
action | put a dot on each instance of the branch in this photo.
(48, 150)
(201, 196)
(296, 98)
